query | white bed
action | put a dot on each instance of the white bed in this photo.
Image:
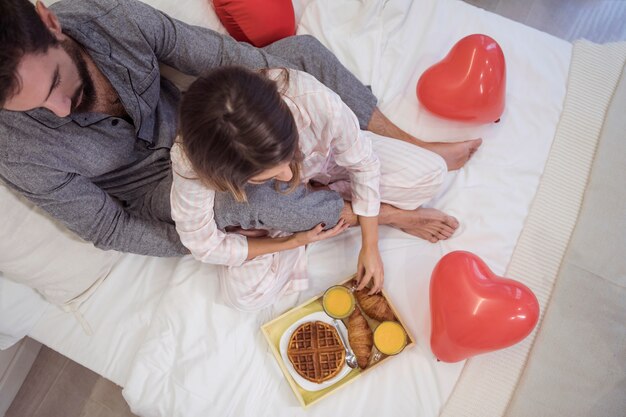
(159, 327)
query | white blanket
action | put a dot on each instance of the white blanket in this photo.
(159, 326)
(200, 358)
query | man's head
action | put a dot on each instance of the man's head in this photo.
(39, 65)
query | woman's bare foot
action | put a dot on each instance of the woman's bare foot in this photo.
(426, 223)
(456, 154)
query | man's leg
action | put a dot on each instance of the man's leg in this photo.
(306, 53)
(260, 281)
(267, 208)
(456, 154)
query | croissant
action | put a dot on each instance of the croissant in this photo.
(374, 306)
(360, 337)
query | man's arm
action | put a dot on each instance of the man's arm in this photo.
(194, 50)
(90, 212)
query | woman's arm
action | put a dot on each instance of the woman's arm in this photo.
(370, 265)
(335, 130)
(258, 246)
(192, 210)
(353, 150)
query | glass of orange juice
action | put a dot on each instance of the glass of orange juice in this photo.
(389, 338)
(338, 302)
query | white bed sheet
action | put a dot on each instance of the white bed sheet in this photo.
(118, 315)
(159, 326)
(219, 364)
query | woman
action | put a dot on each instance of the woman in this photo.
(239, 127)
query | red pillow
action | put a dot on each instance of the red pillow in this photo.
(259, 22)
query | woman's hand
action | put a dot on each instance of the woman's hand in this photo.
(318, 233)
(370, 267)
(258, 246)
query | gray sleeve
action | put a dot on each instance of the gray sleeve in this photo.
(90, 212)
(193, 50)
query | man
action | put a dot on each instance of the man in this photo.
(87, 121)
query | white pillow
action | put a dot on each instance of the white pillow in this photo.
(41, 253)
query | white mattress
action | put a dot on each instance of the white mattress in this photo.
(159, 326)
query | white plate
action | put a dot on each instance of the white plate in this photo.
(284, 342)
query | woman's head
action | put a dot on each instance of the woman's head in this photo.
(236, 129)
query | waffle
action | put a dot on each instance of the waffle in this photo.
(316, 351)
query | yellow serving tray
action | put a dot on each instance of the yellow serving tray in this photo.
(273, 331)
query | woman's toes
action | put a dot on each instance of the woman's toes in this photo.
(446, 233)
(443, 236)
(451, 221)
(444, 228)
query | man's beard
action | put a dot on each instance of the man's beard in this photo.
(86, 88)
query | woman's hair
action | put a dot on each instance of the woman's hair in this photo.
(234, 125)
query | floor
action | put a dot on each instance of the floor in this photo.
(58, 387)
(599, 21)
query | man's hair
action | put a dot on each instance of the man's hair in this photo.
(21, 32)
(234, 125)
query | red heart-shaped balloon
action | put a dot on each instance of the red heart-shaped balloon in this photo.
(468, 84)
(475, 311)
